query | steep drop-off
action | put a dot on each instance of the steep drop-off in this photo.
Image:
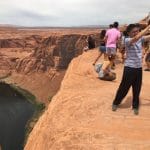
(34, 59)
(53, 52)
(39, 54)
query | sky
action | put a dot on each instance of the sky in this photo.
(72, 12)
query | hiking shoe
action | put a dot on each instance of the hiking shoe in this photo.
(114, 107)
(136, 111)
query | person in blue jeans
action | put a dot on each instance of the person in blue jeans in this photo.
(132, 74)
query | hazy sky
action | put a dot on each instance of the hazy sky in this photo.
(71, 12)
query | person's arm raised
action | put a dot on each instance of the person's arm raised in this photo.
(137, 37)
(146, 38)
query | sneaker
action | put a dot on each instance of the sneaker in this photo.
(136, 111)
(114, 107)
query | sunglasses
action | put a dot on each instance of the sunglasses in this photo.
(135, 31)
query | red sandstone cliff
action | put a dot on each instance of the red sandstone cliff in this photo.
(43, 52)
(80, 117)
(45, 55)
(31, 58)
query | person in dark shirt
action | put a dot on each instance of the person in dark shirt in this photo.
(111, 26)
(102, 48)
(91, 42)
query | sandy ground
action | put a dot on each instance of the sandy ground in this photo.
(80, 116)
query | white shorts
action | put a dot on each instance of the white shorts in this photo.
(110, 50)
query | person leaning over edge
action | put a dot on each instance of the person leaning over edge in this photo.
(132, 74)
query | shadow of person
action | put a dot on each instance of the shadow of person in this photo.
(127, 103)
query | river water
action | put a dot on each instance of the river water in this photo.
(15, 111)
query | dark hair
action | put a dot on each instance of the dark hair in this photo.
(116, 24)
(102, 34)
(138, 26)
(91, 42)
(111, 26)
(125, 33)
(89, 37)
(131, 26)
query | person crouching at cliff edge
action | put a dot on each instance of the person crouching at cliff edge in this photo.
(132, 74)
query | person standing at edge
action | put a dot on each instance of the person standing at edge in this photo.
(132, 75)
(91, 42)
(102, 48)
(112, 37)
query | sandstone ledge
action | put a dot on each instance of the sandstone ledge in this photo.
(80, 117)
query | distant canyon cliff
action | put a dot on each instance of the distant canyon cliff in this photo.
(35, 58)
(39, 53)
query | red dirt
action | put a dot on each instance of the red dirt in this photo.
(80, 116)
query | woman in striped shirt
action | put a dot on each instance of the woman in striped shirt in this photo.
(132, 75)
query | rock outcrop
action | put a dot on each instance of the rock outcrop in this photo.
(80, 117)
(6, 65)
(144, 21)
(54, 51)
(25, 42)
